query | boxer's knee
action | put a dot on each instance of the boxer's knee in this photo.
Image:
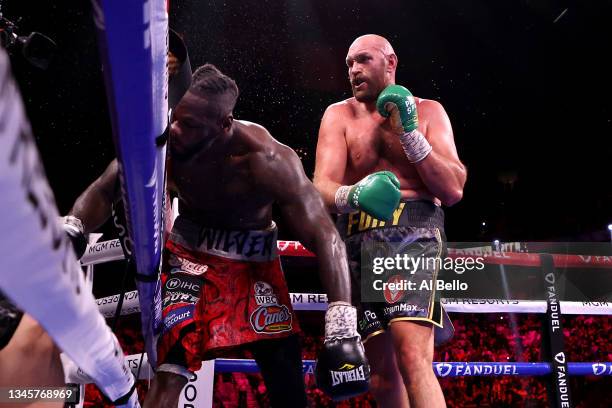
(31, 357)
(414, 362)
(413, 345)
(31, 339)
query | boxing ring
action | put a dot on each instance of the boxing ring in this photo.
(141, 152)
(111, 251)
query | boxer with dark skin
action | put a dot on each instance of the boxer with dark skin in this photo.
(31, 358)
(227, 174)
(357, 142)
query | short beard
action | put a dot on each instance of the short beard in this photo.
(366, 98)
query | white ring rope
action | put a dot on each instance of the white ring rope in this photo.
(107, 251)
(318, 301)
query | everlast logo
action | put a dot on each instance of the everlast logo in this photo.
(271, 319)
(247, 244)
(360, 221)
(348, 374)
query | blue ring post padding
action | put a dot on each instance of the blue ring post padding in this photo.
(133, 40)
(451, 369)
(133, 66)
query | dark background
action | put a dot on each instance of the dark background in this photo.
(527, 92)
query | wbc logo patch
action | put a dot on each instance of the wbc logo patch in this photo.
(269, 317)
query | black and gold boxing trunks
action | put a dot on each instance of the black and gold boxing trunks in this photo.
(415, 230)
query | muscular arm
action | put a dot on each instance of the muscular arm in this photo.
(281, 173)
(331, 158)
(93, 207)
(441, 171)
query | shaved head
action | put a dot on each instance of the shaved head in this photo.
(371, 64)
(372, 41)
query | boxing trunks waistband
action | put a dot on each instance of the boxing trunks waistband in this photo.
(240, 245)
(417, 213)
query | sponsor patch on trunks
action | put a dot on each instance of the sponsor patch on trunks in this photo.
(185, 284)
(270, 317)
(392, 296)
(182, 265)
(174, 298)
(177, 316)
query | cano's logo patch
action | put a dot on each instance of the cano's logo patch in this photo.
(270, 317)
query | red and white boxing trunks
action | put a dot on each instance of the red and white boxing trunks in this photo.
(220, 289)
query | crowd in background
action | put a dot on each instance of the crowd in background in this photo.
(478, 337)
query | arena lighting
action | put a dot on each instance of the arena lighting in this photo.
(496, 245)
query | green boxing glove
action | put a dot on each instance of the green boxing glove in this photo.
(377, 195)
(396, 96)
(397, 103)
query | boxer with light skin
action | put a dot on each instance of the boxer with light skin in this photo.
(378, 148)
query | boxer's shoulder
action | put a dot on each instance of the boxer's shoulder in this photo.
(254, 137)
(428, 106)
(346, 108)
(263, 149)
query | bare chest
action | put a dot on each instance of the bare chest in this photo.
(372, 146)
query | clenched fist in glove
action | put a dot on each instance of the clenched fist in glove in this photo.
(342, 370)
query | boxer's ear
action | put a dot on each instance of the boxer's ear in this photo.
(392, 62)
(226, 122)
